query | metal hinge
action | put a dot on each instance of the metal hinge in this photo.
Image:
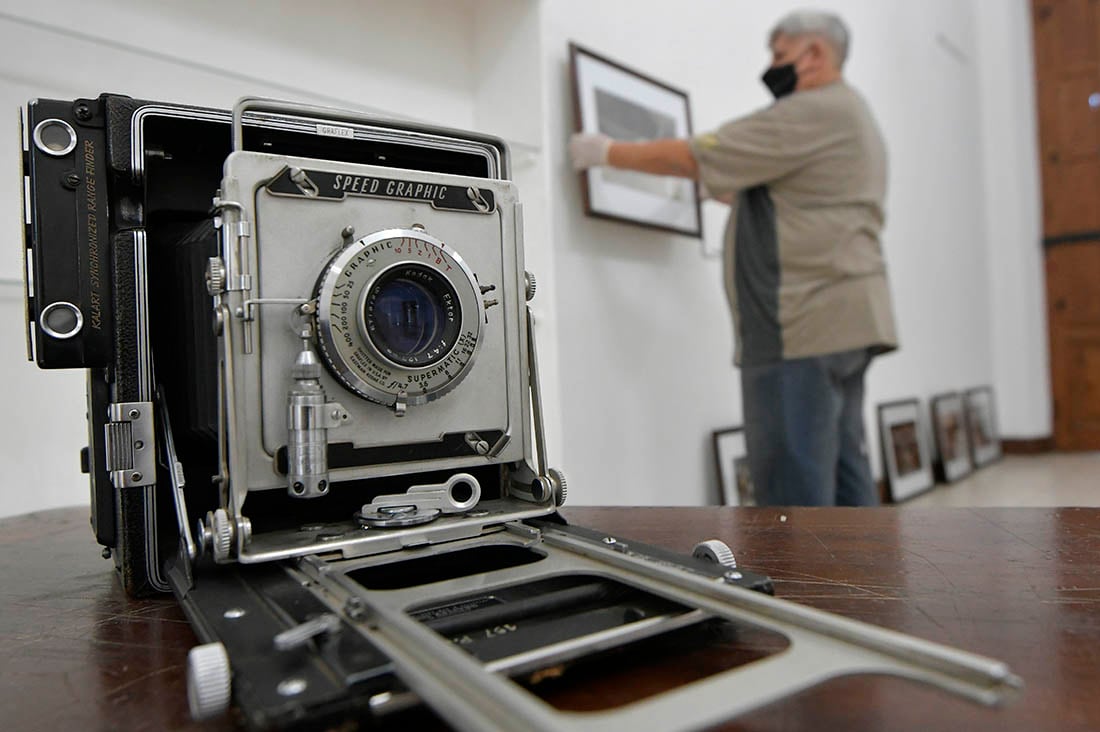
(130, 444)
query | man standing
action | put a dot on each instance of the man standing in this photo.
(804, 272)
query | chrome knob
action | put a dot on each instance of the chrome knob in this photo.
(530, 284)
(561, 487)
(222, 535)
(208, 681)
(215, 276)
(715, 551)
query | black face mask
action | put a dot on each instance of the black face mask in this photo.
(780, 80)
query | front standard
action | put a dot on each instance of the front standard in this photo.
(314, 416)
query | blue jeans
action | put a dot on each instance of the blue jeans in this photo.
(804, 431)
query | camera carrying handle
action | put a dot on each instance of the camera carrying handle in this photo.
(264, 104)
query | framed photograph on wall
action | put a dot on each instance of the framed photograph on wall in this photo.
(627, 105)
(981, 424)
(906, 457)
(733, 467)
(951, 436)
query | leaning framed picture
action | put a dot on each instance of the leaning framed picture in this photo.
(906, 457)
(951, 436)
(981, 423)
(629, 106)
(733, 467)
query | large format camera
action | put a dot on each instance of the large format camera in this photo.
(295, 314)
(314, 416)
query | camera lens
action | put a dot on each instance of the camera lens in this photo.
(399, 317)
(411, 315)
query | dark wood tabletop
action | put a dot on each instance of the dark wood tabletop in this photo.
(1021, 585)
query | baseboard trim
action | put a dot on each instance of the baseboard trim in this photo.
(1030, 446)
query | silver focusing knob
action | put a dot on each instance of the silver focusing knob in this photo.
(716, 551)
(561, 488)
(208, 681)
(215, 276)
(222, 535)
(531, 285)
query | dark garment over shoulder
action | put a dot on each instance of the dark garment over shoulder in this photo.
(804, 270)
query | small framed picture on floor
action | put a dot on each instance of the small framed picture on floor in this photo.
(951, 436)
(906, 457)
(733, 467)
(981, 424)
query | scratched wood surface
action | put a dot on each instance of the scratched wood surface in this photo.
(1020, 585)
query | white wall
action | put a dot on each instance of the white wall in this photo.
(634, 334)
(1021, 359)
(509, 101)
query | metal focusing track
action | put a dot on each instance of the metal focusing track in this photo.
(470, 696)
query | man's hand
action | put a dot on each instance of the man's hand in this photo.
(588, 150)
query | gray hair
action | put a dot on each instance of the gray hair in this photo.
(816, 23)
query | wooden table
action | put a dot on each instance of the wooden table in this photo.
(1020, 585)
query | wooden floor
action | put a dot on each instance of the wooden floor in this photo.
(1052, 479)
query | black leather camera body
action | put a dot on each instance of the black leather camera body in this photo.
(314, 416)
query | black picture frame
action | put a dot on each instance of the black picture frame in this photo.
(981, 424)
(906, 454)
(731, 459)
(625, 104)
(951, 436)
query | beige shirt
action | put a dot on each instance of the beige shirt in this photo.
(804, 270)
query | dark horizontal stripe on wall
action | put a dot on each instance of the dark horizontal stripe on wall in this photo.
(1075, 238)
(1032, 446)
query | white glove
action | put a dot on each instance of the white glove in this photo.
(588, 150)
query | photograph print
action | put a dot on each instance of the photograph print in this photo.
(626, 105)
(731, 455)
(981, 421)
(951, 436)
(906, 457)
